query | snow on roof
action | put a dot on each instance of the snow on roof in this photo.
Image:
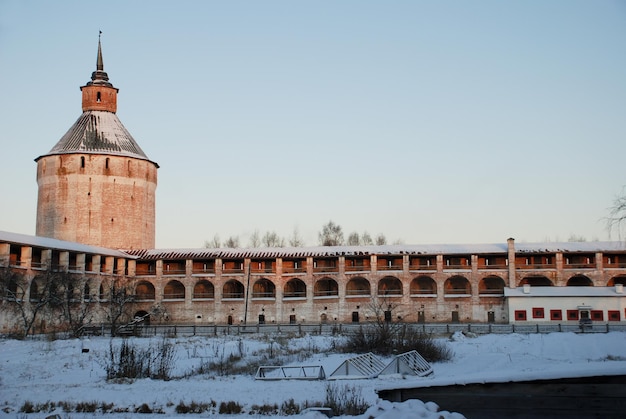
(316, 251)
(535, 291)
(99, 132)
(49, 243)
(398, 249)
(553, 247)
(511, 375)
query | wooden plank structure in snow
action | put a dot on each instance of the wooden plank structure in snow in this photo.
(311, 372)
(362, 366)
(408, 363)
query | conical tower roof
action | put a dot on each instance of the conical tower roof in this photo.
(98, 130)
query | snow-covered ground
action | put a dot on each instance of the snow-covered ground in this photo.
(63, 371)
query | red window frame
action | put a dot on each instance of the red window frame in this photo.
(520, 315)
(538, 313)
(614, 315)
(556, 314)
(597, 315)
(572, 315)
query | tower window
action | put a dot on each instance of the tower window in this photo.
(106, 163)
(82, 162)
(98, 97)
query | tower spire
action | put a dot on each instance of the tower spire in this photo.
(99, 63)
(99, 77)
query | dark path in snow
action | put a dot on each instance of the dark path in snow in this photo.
(600, 397)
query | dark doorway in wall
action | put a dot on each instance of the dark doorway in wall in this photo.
(230, 320)
(491, 317)
(388, 316)
(421, 317)
(261, 318)
(292, 319)
(455, 317)
(355, 317)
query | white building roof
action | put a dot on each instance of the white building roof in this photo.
(534, 291)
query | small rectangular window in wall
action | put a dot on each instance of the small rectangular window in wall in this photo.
(538, 313)
(572, 314)
(556, 315)
(614, 316)
(597, 315)
(520, 315)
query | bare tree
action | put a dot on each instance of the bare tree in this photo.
(28, 299)
(381, 239)
(616, 220)
(353, 239)
(214, 243)
(366, 239)
(232, 242)
(118, 301)
(68, 296)
(576, 238)
(295, 240)
(331, 235)
(383, 310)
(273, 240)
(255, 239)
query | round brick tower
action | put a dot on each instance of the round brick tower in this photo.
(96, 185)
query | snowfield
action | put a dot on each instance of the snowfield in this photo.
(73, 371)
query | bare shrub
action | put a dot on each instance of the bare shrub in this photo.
(195, 407)
(345, 400)
(144, 408)
(289, 408)
(106, 407)
(392, 338)
(86, 407)
(27, 407)
(265, 409)
(164, 360)
(129, 361)
(230, 408)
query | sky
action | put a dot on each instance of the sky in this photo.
(426, 121)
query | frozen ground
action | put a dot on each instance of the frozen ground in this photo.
(60, 371)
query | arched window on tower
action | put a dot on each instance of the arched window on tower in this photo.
(98, 97)
(82, 162)
(106, 163)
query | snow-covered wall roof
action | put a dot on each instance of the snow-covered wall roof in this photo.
(399, 249)
(48, 243)
(315, 251)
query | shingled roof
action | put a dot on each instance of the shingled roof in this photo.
(98, 132)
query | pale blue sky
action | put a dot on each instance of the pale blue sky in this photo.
(428, 121)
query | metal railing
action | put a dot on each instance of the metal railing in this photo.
(389, 267)
(432, 267)
(535, 266)
(318, 269)
(362, 268)
(292, 270)
(197, 271)
(328, 329)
